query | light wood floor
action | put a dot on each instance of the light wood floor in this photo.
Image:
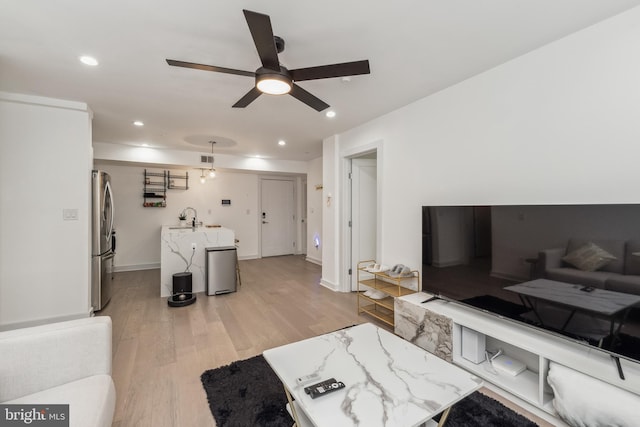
(159, 352)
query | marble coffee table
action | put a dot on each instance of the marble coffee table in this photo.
(388, 381)
(609, 305)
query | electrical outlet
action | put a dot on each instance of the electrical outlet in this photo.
(193, 246)
(70, 214)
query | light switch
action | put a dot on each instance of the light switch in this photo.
(70, 214)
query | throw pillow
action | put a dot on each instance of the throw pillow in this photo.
(588, 257)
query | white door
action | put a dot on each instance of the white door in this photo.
(364, 218)
(277, 217)
(303, 220)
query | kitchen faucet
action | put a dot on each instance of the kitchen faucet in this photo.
(195, 215)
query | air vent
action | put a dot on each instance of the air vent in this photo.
(206, 159)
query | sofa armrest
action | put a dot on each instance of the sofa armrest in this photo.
(551, 258)
(38, 358)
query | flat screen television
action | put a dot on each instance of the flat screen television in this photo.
(512, 261)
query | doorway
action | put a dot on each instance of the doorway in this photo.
(364, 208)
(277, 217)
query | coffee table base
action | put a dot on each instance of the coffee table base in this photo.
(301, 420)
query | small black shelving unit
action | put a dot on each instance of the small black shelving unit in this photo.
(155, 189)
(177, 182)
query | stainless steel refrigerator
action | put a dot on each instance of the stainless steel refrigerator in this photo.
(103, 240)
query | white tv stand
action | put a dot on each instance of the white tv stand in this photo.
(425, 324)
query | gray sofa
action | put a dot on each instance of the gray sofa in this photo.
(620, 275)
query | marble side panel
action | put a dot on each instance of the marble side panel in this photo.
(424, 328)
(177, 254)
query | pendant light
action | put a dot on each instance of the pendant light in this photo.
(203, 178)
(212, 171)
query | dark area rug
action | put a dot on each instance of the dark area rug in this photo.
(248, 393)
(496, 305)
(480, 410)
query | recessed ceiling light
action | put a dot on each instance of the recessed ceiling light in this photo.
(257, 156)
(89, 60)
(282, 142)
(138, 123)
(331, 114)
(145, 144)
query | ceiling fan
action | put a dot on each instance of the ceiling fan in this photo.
(274, 79)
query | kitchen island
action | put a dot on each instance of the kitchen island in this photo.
(178, 255)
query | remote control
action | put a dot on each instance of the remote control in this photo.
(307, 379)
(325, 387)
(321, 383)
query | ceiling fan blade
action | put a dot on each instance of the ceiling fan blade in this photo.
(329, 71)
(248, 98)
(311, 100)
(210, 68)
(262, 33)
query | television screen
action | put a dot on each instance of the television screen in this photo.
(573, 270)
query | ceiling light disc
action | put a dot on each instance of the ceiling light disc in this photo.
(273, 82)
(89, 60)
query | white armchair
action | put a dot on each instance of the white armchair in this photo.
(61, 363)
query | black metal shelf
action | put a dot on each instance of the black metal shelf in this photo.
(171, 184)
(155, 190)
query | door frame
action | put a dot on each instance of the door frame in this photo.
(357, 214)
(302, 216)
(296, 208)
(345, 212)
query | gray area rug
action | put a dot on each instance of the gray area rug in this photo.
(248, 393)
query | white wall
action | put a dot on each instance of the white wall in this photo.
(45, 167)
(314, 210)
(138, 227)
(557, 125)
(180, 158)
(331, 239)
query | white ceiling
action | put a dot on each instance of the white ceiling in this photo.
(415, 48)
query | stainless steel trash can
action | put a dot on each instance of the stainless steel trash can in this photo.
(221, 270)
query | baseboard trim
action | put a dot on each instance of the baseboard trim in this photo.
(136, 267)
(329, 285)
(449, 263)
(508, 276)
(313, 260)
(246, 257)
(44, 321)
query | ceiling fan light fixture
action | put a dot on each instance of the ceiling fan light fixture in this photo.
(273, 84)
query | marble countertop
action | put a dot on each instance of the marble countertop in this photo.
(389, 381)
(184, 249)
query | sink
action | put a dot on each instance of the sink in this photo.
(181, 227)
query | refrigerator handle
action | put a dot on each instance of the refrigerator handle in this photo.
(107, 191)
